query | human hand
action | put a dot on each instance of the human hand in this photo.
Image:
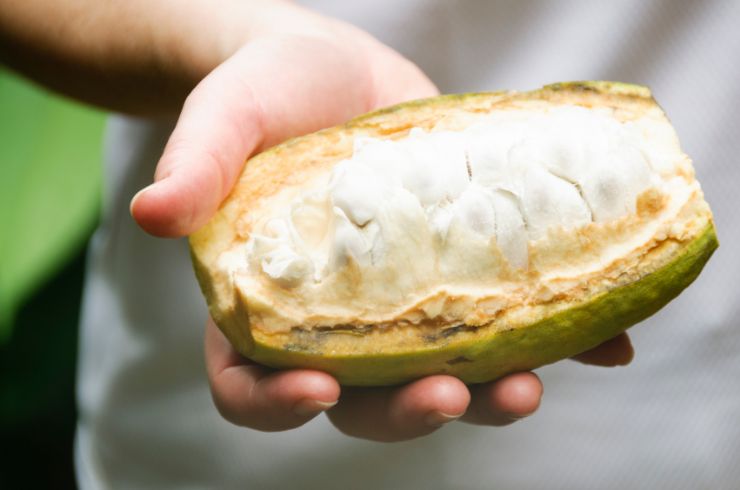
(254, 396)
(277, 86)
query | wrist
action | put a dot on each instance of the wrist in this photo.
(200, 35)
(238, 22)
(211, 32)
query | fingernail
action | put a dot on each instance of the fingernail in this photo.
(136, 198)
(519, 416)
(307, 407)
(435, 418)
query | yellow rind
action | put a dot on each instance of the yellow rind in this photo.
(473, 354)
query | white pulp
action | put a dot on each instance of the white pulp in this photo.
(508, 178)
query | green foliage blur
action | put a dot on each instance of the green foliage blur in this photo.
(50, 176)
(50, 184)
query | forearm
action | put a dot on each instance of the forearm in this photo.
(136, 56)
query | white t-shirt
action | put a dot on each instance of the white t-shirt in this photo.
(669, 420)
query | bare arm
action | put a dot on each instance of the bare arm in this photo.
(134, 56)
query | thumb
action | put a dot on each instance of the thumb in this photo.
(268, 91)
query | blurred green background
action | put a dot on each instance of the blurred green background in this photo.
(50, 182)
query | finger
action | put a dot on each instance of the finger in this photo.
(267, 92)
(505, 400)
(615, 352)
(400, 413)
(253, 396)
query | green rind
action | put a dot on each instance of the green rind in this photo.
(603, 86)
(559, 336)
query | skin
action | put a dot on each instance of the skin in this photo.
(255, 73)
